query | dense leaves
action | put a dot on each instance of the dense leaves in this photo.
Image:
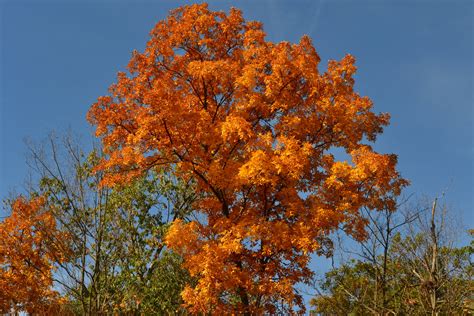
(26, 258)
(253, 123)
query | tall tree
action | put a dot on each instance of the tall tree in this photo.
(253, 123)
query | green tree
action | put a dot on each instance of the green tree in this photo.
(421, 272)
(116, 256)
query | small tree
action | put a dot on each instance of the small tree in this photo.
(402, 278)
(438, 275)
(253, 123)
(116, 259)
(27, 258)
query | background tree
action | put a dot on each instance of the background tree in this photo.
(408, 275)
(27, 258)
(374, 252)
(253, 123)
(442, 273)
(116, 257)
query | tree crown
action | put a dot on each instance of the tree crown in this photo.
(254, 123)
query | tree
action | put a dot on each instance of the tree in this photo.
(26, 258)
(254, 124)
(421, 272)
(146, 277)
(441, 273)
(372, 267)
(116, 257)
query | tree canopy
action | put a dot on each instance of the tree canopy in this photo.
(254, 123)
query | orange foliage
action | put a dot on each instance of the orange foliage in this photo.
(26, 258)
(254, 123)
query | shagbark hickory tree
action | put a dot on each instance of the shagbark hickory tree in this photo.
(254, 123)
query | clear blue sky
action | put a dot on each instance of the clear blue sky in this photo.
(415, 61)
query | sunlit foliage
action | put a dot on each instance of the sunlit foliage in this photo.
(254, 123)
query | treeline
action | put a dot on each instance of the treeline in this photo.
(73, 247)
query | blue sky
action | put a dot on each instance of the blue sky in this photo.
(415, 61)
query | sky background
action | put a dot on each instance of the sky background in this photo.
(415, 61)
